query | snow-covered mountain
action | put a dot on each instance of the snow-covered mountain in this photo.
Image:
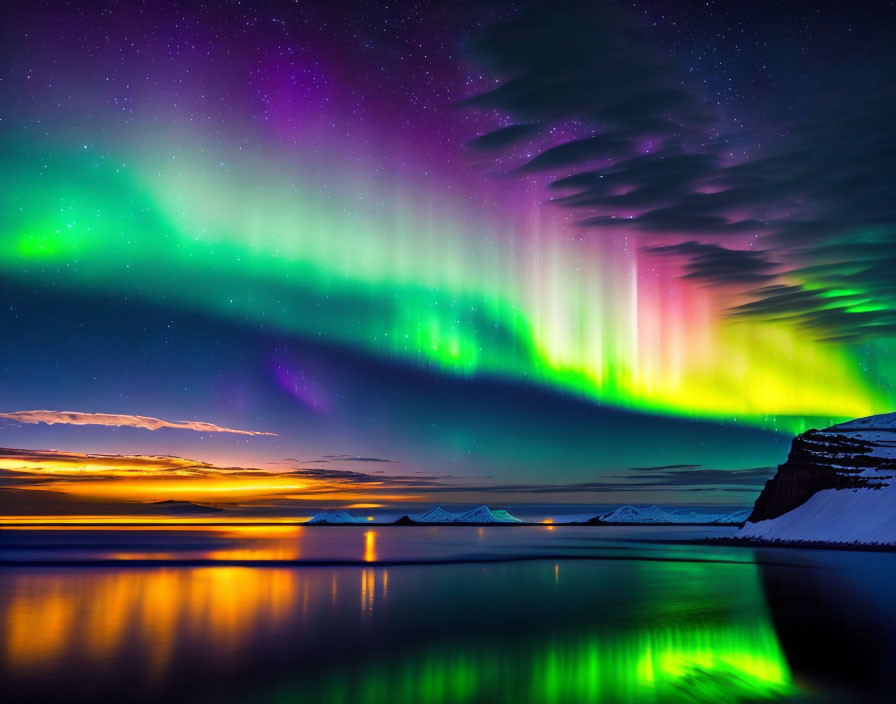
(502, 516)
(483, 514)
(736, 517)
(327, 517)
(836, 486)
(632, 514)
(436, 515)
(654, 514)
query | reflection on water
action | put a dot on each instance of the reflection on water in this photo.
(837, 626)
(370, 546)
(652, 627)
(285, 543)
(450, 633)
(673, 664)
(51, 618)
(261, 543)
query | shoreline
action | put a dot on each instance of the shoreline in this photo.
(365, 524)
(791, 544)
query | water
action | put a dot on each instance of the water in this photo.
(426, 615)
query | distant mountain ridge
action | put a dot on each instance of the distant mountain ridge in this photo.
(183, 507)
(657, 515)
(481, 514)
(836, 486)
(332, 517)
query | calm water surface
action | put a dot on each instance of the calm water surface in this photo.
(420, 615)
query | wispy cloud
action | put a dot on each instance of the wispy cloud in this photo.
(142, 478)
(354, 458)
(120, 420)
(696, 477)
(40, 466)
(341, 458)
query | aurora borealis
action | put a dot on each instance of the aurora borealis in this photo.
(420, 286)
(733, 656)
(434, 352)
(463, 250)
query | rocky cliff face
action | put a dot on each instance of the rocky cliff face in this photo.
(835, 485)
(819, 460)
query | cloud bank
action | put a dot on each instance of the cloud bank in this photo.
(51, 480)
(805, 224)
(117, 420)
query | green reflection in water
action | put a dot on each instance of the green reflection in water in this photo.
(674, 664)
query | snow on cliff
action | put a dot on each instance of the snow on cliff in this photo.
(836, 516)
(836, 486)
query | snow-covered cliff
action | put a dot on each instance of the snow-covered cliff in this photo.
(837, 485)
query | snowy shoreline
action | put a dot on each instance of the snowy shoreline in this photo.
(745, 542)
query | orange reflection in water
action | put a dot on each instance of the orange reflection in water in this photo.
(267, 543)
(370, 546)
(90, 617)
(369, 588)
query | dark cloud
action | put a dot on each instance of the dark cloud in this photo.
(662, 467)
(11, 478)
(341, 458)
(644, 152)
(849, 314)
(338, 475)
(355, 458)
(716, 264)
(392, 481)
(504, 137)
(583, 61)
(63, 460)
(835, 175)
(678, 219)
(604, 146)
(695, 476)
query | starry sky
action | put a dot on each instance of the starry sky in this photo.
(345, 252)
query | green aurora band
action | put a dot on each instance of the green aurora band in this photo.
(398, 273)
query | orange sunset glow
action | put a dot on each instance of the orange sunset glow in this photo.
(136, 479)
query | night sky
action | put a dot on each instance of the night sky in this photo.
(574, 252)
